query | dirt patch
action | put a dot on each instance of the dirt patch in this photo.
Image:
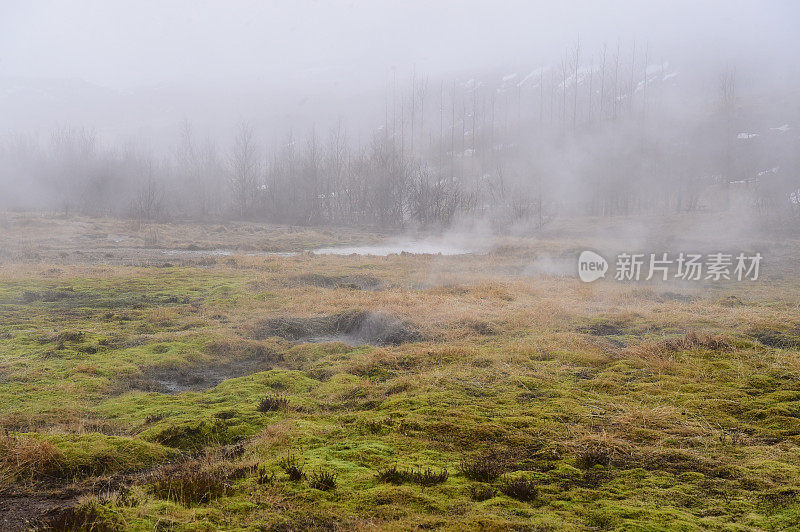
(48, 296)
(78, 517)
(177, 380)
(481, 327)
(54, 505)
(230, 360)
(352, 327)
(676, 296)
(604, 327)
(354, 282)
(23, 509)
(776, 338)
(619, 325)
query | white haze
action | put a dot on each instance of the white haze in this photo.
(132, 70)
(403, 115)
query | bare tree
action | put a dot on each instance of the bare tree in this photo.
(576, 62)
(603, 81)
(245, 169)
(148, 204)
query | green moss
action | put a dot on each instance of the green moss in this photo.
(697, 437)
(70, 455)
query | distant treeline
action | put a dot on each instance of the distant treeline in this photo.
(609, 136)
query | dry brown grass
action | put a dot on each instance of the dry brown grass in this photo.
(162, 316)
(190, 482)
(275, 435)
(600, 449)
(667, 348)
(24, 457)
(362, 363)
(567, 372)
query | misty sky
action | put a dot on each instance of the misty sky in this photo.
(142, 76)
(123, 44)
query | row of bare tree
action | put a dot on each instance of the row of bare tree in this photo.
(593, 137)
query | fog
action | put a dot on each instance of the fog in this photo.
(399, 115)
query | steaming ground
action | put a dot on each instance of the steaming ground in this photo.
(431, 246)
(224, 376)
(233, 305)
(82, 239)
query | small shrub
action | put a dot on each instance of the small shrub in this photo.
(272, 403)
(264, 476)
(428, 477)
(480, 492)
(242, 471)
(593, 455)
(322, 480)
(483, 468)
(520, 489)
(391, 475)
(293, 468)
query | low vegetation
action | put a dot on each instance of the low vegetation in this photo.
(520, 489)
(272, 403)
(423, 477)
(322, 480)
(190, 483)
(527, 402)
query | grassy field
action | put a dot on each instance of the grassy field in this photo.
(145, 391)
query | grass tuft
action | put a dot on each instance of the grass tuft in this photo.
(427, 477)
(322, 480)
(89, 515)
(190, 483)
(265, 476)
(273, 403)
(520, 489)
(480, 492)
(391, 475)
(25, 457)
(424, 477)
(483, 468)
(293, 468)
